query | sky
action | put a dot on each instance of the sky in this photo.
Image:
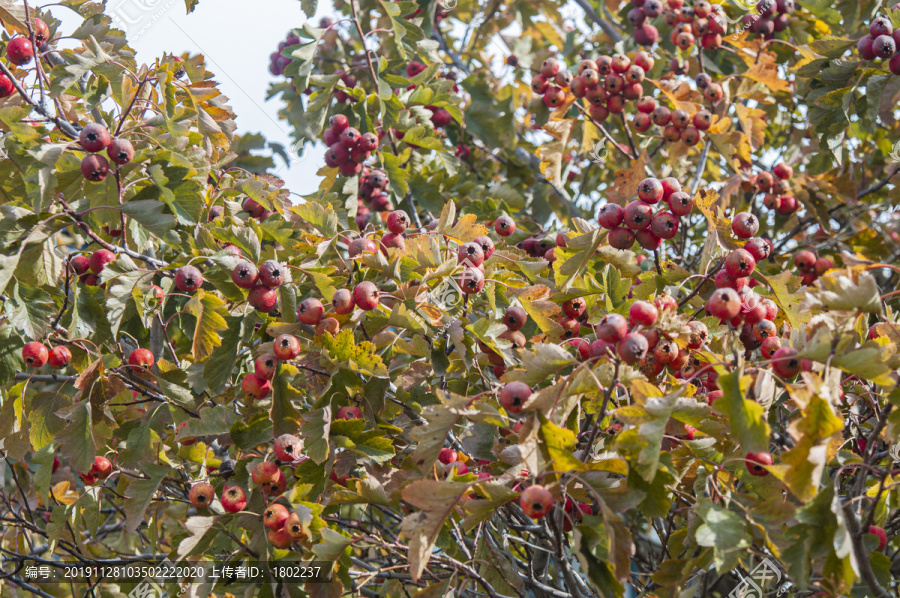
(236, 37)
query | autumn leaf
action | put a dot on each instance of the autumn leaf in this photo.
(435, 501)
(210, 312)
(754, 124)
(624, 186)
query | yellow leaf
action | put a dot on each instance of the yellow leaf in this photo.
(64, 494)
(734, 147)
(466, 229)
(753, 122)
(721, 124)
(767, 74)
(719, 228)
(590, 137)
(680, 94)
(548, 34)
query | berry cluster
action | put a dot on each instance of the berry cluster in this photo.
(810, 266)
(20, 51)
(704, 21)
(537, 502)
(347, 147)
(776, 187)
(677, 125)
(250, 205)
(881, 42)
(771, 18)
(262, 283)
(640, 223)
(372, 196)
(94, 138)
(607, 82)
(35, 355)
(278, 62)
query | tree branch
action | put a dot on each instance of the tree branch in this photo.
(607, 28)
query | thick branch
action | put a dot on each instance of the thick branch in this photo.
(63, 124)
(607, 28)
(114, 248)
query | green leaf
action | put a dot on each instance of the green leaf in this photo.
(285, 417)
(213, 421)
(139, 494)
(539, 363)
(321, 216)
(343, 351)
(572, 260)
(816, 427)
(218, 369)
(315, 432)
(723, 531)
(747, 418)
(149, 214)
(397, 173)
(11, 360)
(249, 433)
(76, 438)
(44, 424)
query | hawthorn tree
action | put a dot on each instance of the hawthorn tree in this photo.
(590, 299)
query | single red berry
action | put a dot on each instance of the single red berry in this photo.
(342, 302)
(756, 461)
(271, 274)
(536, 501)
(95, 168)
(745, 225)
(785, 362)
(94, 137)
(41, 31)
(245, 275)
(724, 304)
(612, 328)
(573, 308)
(740, 263)
(99, 259)
(234, 499)
(262, 298)
(366, 295)
(611, 215)
(504, 226)
(141, 358)
(310, 311)
(637, 215)
(188, 279)
(202, 495)
(20, 51)
(60, 357)
(256, 387)
(35, 354)
(621, 238)
(120, 151)
(643, 313)
(265, 365)
(515, 317)
(487, 246)
(805, 260)
(632, 348)
(398, 222)
(514, 395)
(471, 254)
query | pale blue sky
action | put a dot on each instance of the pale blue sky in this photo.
(237, 38)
